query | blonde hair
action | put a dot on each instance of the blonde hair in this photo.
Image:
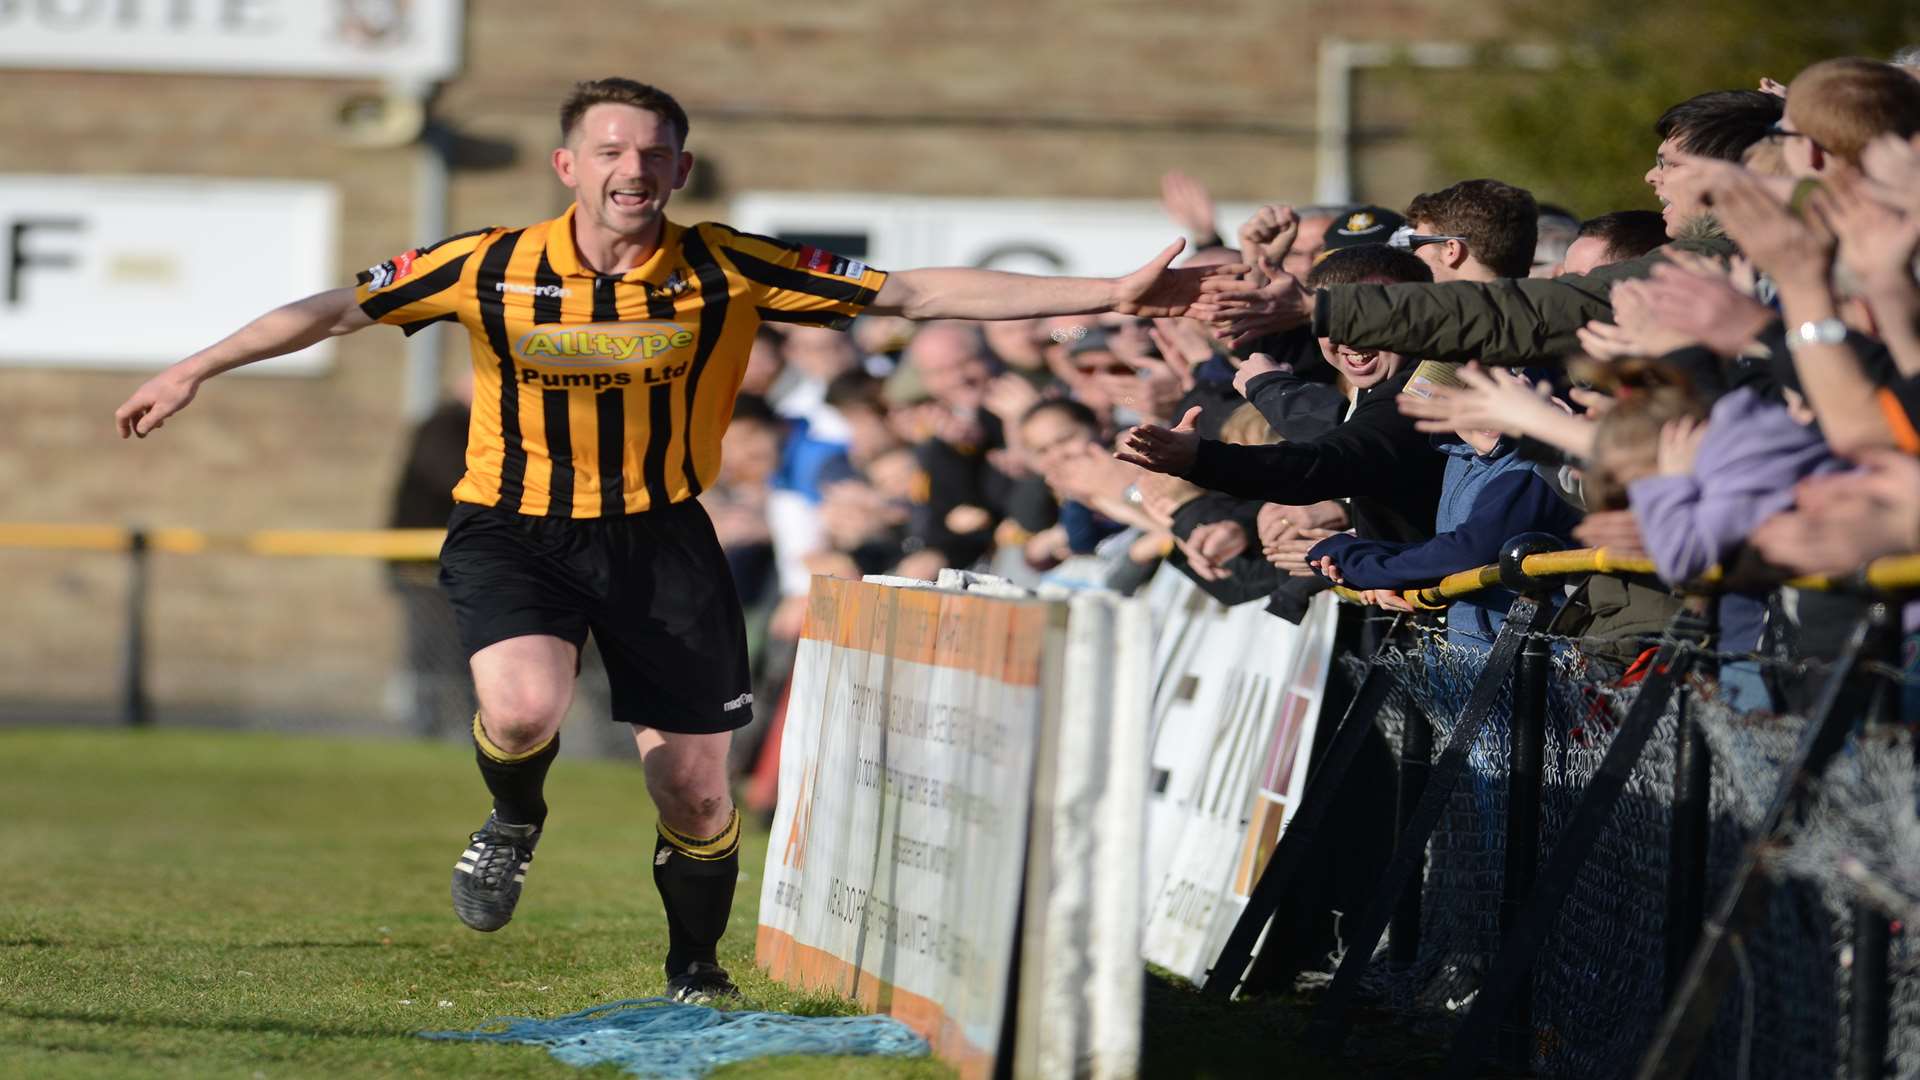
(1766, 158)
(1246, 427)
(1627, 440)
(1845, 103)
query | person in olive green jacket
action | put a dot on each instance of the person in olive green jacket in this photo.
(1517, 321)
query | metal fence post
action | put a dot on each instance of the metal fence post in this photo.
(1416, 761)
(1302, 837)
(1687, 838)
(1868, 1023)
(1870, 1018)
(1510, 977)
(1328, 1026)
(1742, 903)
(1527, 728)
(134, 706)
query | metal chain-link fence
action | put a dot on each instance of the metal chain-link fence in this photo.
(1599, 983)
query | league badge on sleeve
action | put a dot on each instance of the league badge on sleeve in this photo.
(387, 273)
(821, 261)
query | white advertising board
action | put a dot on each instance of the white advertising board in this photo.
(1236, 703)
(1033, 236)
(141, 271)
(400, 40)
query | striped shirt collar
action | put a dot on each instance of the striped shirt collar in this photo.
(564, 256)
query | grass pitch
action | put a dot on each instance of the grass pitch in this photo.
(212, 904)
(201, 904)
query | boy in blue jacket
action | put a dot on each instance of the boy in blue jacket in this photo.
(1488, 495)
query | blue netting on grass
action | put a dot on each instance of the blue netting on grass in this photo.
(661, 1039)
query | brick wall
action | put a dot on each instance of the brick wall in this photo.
(1067, 99)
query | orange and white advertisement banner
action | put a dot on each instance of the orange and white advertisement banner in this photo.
(893, 875)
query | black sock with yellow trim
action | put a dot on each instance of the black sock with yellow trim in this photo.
(696, 878)
(516, 780)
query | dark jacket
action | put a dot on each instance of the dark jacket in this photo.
(436, 459)
(1251, 576)
(1487, 500)
(959, 476)
(1376, 458)
(1512, 321)
(1299, 406)
(1296, 408)
(1213, 391)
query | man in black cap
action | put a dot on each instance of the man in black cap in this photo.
(1361, 225)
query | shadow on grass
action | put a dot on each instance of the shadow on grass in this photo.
(51, 943)
(234, 1027)
(326, 945)
(1189, 1035)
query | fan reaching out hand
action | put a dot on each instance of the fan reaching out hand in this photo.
(1165, 450)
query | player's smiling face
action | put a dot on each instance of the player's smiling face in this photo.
(623, 164)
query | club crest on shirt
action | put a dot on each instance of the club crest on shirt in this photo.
(676, 283)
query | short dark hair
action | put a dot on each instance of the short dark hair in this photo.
(754, 409)
(1501, 222)
(858, 389)
(1720, 123)
(1073, 410)
(1556, 211)
(1628, 234)
(1368, 262)
(618, 91)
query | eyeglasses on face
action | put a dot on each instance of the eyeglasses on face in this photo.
(1406, 239)
(1780, 131)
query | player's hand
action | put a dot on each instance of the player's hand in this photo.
(1167, 450)
(1240, 312)
(158, 398)
(1158, 291)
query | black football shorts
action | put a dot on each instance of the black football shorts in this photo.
(652, 588)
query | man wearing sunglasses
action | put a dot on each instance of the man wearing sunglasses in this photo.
(1501, 322)
(1476, 230)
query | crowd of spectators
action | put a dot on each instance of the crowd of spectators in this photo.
(1384, 398)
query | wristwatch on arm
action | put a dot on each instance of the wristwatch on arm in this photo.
(1816, 332)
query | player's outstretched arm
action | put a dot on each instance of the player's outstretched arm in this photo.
(1156, 289)
(285, 329)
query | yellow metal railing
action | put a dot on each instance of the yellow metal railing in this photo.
(1894, 573)
(345, 543)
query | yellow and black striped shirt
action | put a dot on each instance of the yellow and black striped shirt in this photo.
(595, 394)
